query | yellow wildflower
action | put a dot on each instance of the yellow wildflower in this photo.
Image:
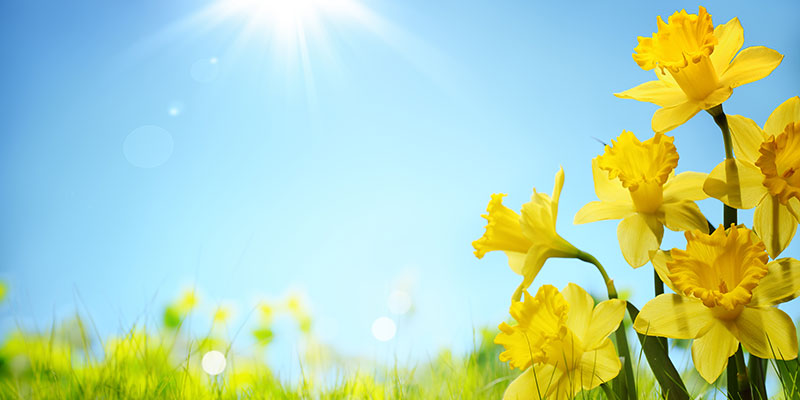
(635, 183)
(692, 61)
(725, 293)
(528, 240)
(561, 340)
(765, 174)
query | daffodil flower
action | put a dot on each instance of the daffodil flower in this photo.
(724, 295)
(635, 183)
(692, 61)
(528, 239)
(561, 341)
(765, 174)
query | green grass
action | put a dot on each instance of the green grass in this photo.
(163, 361)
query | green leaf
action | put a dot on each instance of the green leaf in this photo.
(668, 378)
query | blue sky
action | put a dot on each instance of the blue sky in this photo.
(342, 169)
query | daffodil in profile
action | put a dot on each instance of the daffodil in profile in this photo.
(695, 66)
(725, 294)
(561, 342)
(528, 239)
(635, 182)
(765, 174)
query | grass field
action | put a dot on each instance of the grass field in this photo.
(70, 361)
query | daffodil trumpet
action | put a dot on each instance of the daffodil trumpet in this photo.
(560, 341)
(696, 66)
(635, 183)
(528, 239)
(725, 295)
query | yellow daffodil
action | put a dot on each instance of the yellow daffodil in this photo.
(635, 183)
(528, 239)
(765, 174)
(692, 61)
(725, 293)
(561, 341)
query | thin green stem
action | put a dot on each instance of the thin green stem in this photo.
(738, 385)
(658, 288)
(626, 384)
(741, 375)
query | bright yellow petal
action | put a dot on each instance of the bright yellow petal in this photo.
(515, 261)
(537, 382)
(781, 284)
(605, 319)
(603, 210)
(599, 366)
(684, 216)
(794, 207)
(685, 186)
(747, 137)
(659, 262)
(736, 183)
(752, 64)
(580, 309)
(774, 224)
(638, 234)
(730, 38)
(674, 316)
(717, 97)
(656, 92)
(668, 118)
(767, 333)
(710, 352)
(557, 186)
(610, 190)
(788, 111)
(534, 261)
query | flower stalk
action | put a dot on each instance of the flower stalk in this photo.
(624, 385)
(738, 382)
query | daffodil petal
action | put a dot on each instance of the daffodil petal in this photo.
(537, 382)
(684, 216)
(659, 261)
(774, 224)
(781, 284)
(794, 208)
(673, 316)
(752, 64)
(668, 118)
(767, 333)
(638, 234)
(710, 352)
(515, 260)
(599, 366)
(685, 186)
(656, 92)
(534, 261)
(736, 183)
(730, 38)
(580, 309)
(788, 111)
(606, 317)
(610, 190)
(747, 137)
(603, 210)
(717, 97)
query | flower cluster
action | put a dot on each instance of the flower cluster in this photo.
(725, 283)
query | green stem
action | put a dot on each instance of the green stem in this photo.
(658, 288)
(756, 371)
(738, 385)
(624, 385)
(741, 375)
